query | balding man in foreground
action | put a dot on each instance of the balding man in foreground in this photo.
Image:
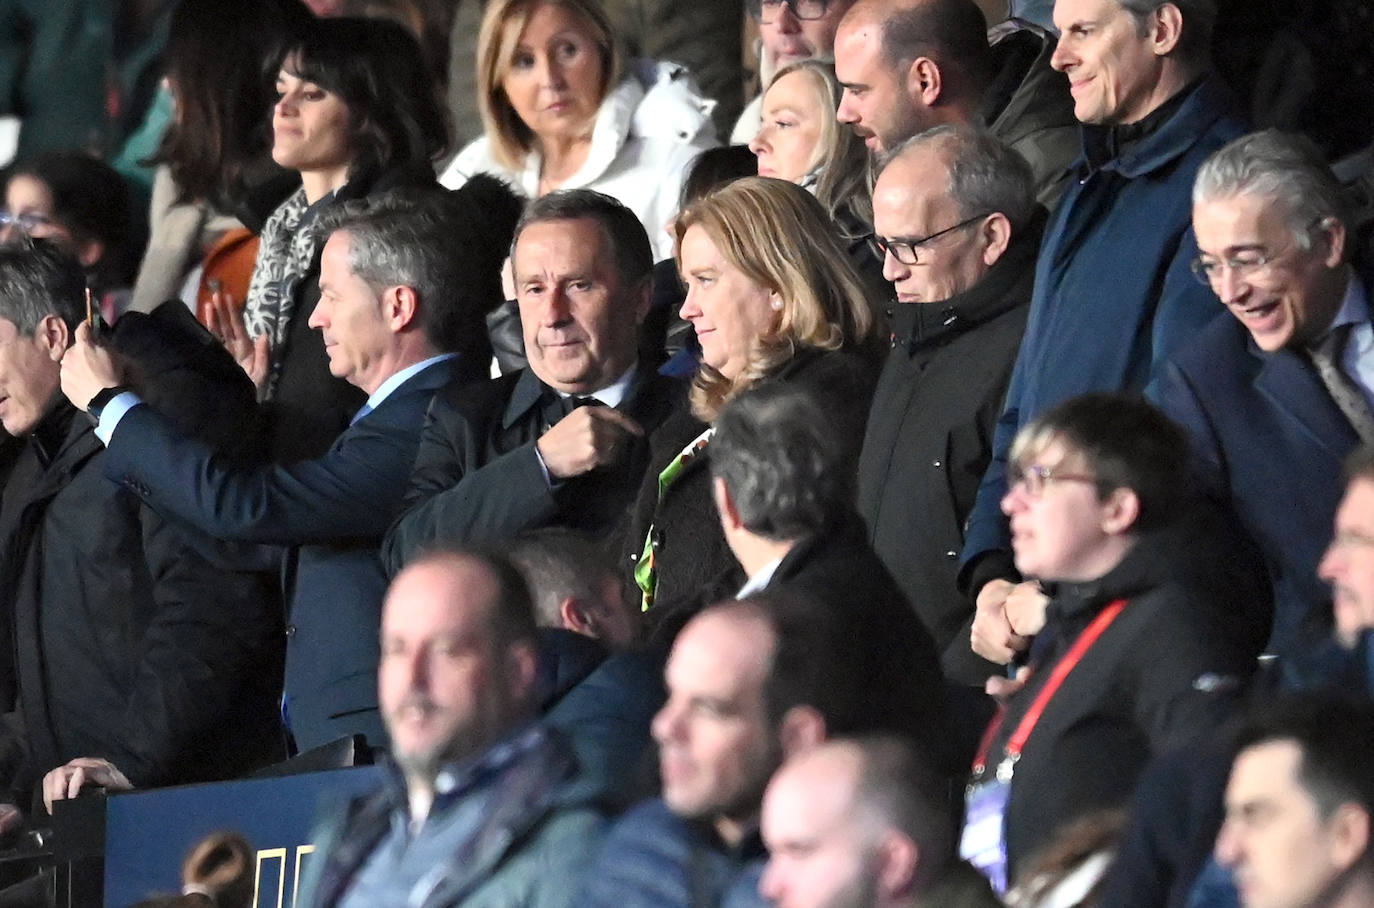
(864, 822)
(482, 805)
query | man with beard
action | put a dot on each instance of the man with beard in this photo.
(482, 804)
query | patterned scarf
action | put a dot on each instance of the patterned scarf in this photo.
(284, 256)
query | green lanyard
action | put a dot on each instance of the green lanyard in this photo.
(646, 576)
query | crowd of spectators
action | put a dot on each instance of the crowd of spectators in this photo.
(956, 491)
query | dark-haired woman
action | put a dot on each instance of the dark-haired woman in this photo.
(356, 114)
(215, 175)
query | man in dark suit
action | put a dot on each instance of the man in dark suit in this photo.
(1276, 397)
(564, 441)
(401, 315)
(786, 510)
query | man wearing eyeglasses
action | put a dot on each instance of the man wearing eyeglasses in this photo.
(960, 253)
(1279, 391)
(789, 31)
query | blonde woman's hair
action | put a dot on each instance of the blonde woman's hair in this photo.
(502, 24)
(778, 236)
(840, 160)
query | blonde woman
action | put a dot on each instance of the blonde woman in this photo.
(771, 296)
(561, 109)
(800, 140)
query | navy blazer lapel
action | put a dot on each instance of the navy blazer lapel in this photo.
(1296, 392)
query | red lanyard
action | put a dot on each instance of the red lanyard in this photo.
(1061, 671)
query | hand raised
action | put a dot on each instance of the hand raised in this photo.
(87, 368)
(587, 438)
(251, 353)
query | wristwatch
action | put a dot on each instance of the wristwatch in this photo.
(103, 397)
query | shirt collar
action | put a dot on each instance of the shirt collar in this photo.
(385, 389)
(612, 395)
(760, 579)
(1354, 308)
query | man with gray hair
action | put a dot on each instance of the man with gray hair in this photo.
(958, 229)
(785, 505)
(401, 293)
(1277, 396)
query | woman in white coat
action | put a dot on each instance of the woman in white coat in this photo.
(560, 112)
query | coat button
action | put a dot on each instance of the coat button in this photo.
(951, 554)
(936, 464)
(290, 631)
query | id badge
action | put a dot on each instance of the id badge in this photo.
(983, 844)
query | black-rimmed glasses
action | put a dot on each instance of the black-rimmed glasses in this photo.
(1035, 477)
(767, 10)
(903, 248)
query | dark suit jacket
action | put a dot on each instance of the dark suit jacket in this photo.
(334, 508)
(477, 477)
(1270, 441)
(904, 688)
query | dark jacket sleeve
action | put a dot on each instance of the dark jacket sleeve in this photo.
(452, 499)
(349, 493)
(206, 636)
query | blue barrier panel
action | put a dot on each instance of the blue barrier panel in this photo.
(148, 833)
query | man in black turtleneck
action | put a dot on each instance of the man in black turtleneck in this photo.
(958, 228)
(1113, 296)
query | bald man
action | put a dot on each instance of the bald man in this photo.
(909, 65)
(863, 823)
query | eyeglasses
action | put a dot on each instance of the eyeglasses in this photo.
(903, 248)
(1246, 264)
(767, 10)
(25, 222)
(1035, 477)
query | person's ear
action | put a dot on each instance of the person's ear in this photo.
(88, 252)
(1334, 232)
(801, 729)
(400, 307)
(522, 666)
(1350, 835)
(996, 236)
(53, 336)
(1120, 511)
(898, 860)
(924, 81)
(574, 615)
(725, 504)
(644, 298)
(1165, 29)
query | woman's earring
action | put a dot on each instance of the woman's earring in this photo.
(777, 303)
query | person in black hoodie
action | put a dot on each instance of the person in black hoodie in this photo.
(1146, 635)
